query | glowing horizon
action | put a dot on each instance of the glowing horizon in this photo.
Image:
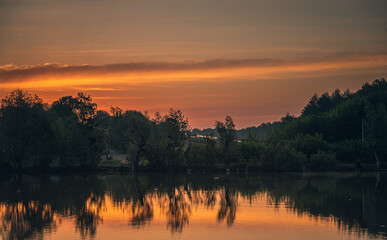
(252, 60)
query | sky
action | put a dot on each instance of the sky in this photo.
(252, 60)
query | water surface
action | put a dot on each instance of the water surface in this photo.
(194, 206)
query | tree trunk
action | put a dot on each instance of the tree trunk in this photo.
(138, 189)
(134, 164)
(227, 192)
(377, 161)
(377, 180)
(138, 154)
(186, 188)
(227, 160)
(186, 162)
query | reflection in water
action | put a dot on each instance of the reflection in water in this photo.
(178, 209)
(141, 207)
(89, 216)
(32, 207)
(228, 204)
(20, 220)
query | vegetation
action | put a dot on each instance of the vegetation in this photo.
(334, 132)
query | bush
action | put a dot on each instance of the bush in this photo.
(349, 151)
(309, 144)
(283, 157)
(322, 161)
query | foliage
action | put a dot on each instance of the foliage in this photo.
(226, 131)
(251, 149)
(333, 129)
(376, 131)
(309, 144)
(130, 133)
(323, 161)
(282, 156)
(325, 102)
(27, 131)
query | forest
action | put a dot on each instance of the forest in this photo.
(337, 131)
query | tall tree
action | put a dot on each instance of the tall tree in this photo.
(169, 140)
(83, 143)
(130, 134)
(27, 131)
(376, 131)
(226, 132)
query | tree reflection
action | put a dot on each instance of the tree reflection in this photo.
(89, 216)
(142, 207)
(228, 204)
(30, 206)
(178, 211)
(25, 219)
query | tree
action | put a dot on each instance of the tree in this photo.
(169, 139)
(65, 107)
(85, 109)
(133, 129)
(83, 142)
(311, 107)
(226, 132)
(250, 149)
(376, 131)
(27, 131)
(178, 131)
(82, 107)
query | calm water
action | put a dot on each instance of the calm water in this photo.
(194, 206)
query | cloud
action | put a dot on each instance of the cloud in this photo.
(19, 73)
(187, 69)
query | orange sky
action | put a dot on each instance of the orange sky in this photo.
(252, 60)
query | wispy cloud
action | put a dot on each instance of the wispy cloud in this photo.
(187, 69)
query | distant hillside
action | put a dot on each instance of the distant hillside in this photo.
(259, 131)
(322, 107)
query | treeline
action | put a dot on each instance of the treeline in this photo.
(260, 131)
(334, 131)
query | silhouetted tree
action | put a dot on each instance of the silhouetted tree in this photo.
(376, 131)
(226, 131)
(131, 132)
(27, 131)
(169, 139)
(251, 150)
(83, 142)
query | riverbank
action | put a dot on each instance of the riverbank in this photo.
(118, 165)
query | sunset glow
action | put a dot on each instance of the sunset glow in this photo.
(253, 61)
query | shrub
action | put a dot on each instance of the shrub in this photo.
(283, 157)
(322, 161)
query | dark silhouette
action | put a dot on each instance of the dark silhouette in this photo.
(338, 131)
(142, 206)
(226, 132)
(228, 203)
(131, 132)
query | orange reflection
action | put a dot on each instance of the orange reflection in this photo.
(178, 210)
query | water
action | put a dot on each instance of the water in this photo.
(194, 206)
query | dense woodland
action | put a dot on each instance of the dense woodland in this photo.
(337, 131)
